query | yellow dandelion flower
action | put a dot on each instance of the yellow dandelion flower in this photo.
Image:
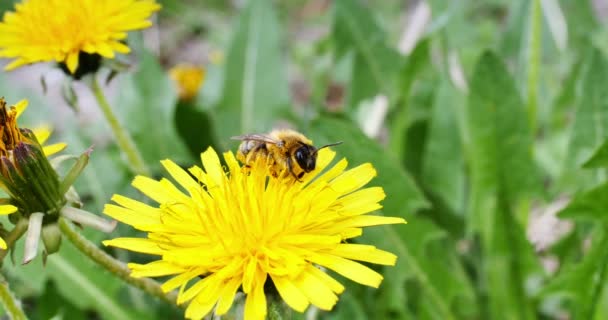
(222, 231)
(60, 30)
(188, 79)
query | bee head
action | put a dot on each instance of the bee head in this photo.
(306, 155)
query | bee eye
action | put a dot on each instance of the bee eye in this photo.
(301, 156)
(305, 158)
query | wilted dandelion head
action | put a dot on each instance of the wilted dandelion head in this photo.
(25, 173)
(216, 231)
(63, 30)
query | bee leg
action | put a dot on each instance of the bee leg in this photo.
(290, 168)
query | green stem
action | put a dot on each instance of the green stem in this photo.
(17, 232)
(114, 266)
(277, 310)
(534, 62)
(10, 303)
(123, 138)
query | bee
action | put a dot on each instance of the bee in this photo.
(283, 150)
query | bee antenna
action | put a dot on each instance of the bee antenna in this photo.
(327, 145)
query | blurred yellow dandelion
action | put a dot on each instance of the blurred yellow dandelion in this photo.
(59, 30)
(222, 231)
(188, 79)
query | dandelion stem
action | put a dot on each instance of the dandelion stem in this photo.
(10, 303)
(17, 232)
(114, 266)
(123, 138)
(277, 310)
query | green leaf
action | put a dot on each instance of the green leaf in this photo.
(146, 105)
(375, 64)
(589, 205)
(398, 121)
(599, 158)
(255, 89)
(503, 178)
(501, 141)
(402, 195)
(582, 283)
(581, 21)
(443, 160)
(195, 127)
(590, 127)
(426, 258)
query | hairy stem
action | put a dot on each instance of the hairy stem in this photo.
(114, 266)
(123, 138)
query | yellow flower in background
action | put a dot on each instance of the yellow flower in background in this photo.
(59, 30)
(188, 79)
(221, 231)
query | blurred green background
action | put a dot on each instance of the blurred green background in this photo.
(486, 120)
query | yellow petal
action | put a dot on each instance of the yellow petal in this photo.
(316, 291)
(145, 211)
(290, 293)
(212, 165)
(366, 221)
(42, 133)
(152, 189)
(350, 269)
(157, 268)
(127, 216)
(7, 209)
(365, 253)
(180, 175)
(255, 305)
(72, 61)
(135, 244)
(199, 307)
(53, 148)
(361, 201)
(353, 179)
(2, 244)
(181, 279)
(330, 282)
(227, 294)
(20, 107)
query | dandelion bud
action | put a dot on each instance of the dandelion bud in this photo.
(51, 237)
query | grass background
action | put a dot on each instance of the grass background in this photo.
(487, 122)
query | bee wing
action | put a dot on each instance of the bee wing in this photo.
(256, 137)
